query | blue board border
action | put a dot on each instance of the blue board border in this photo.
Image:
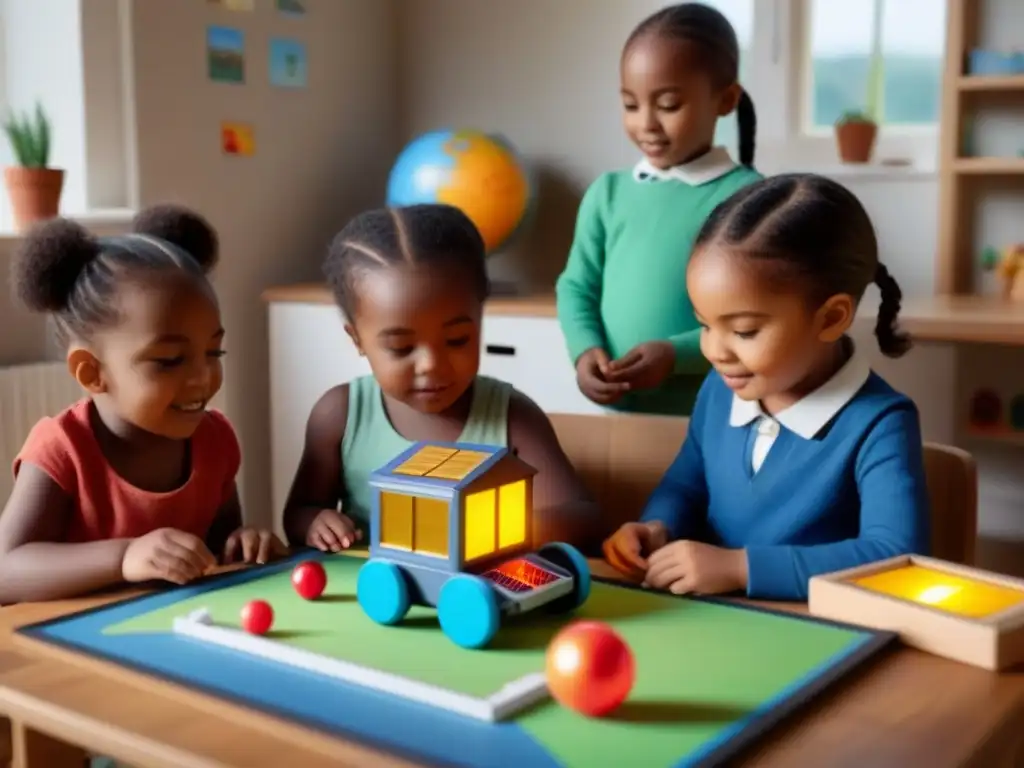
(368, 717)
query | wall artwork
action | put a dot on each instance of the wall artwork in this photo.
(237, 139)
(291, 7)
(287, 63)
(225, 54)
(244, 6)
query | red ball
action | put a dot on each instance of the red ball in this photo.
(590, 668)
(309, 579)
(257, 617)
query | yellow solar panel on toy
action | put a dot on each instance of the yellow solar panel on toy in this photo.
(458, 466)
(424, 460)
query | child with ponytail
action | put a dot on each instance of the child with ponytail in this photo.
(799, 460)
(622, 301)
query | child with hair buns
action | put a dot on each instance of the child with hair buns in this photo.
(136, 481)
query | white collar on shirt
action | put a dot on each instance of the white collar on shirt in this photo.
(808, 416)
(710, 166)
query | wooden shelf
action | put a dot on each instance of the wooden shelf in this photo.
(993, 83)
(960, 196)
(1003, 438)
(989, 166)
(964, 320)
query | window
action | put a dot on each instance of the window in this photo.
(396, 520)
(884, 57)
(512, 514)
(414, 523)
(740, 14)
(805, 62)
(480, 522)
(74, 58)
(495, 519)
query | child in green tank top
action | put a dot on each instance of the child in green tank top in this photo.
(622, 301)
(411, 283)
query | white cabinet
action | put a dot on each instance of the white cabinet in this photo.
(310, 353)
(530, 354)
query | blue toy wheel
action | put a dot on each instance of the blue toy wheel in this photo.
(382, 591)
(571, 559)
(467, 609)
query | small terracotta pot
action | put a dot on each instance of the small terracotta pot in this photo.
(34, 194)
(856, 141)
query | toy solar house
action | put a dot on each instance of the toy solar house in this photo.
(451, 528)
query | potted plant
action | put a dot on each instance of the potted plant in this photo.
(855, 135)
(33, 186)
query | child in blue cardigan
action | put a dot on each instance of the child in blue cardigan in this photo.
(798, 460)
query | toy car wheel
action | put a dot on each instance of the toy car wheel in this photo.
(467, 609)
(571, 559)
(382, 592)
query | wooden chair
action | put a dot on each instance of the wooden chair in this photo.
(621, 458)
(953, 490)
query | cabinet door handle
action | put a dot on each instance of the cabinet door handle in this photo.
(501, 349)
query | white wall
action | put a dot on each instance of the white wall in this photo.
(322, 154)
(544, 73)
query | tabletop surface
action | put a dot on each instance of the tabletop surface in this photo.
(908, 708)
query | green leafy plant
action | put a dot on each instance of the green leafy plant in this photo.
(30, 137)
(854, 116)
(990, 258)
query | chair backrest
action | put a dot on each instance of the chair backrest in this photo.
(621, 458)
(953, 490)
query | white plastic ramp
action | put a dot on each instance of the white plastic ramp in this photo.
(507, 701)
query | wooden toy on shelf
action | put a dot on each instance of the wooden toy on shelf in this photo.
(1006, 265)
(962, 613)
(1010, 269)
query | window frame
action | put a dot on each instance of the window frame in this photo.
(106, 163)
(779, 60)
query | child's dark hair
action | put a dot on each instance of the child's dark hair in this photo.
(414, 234)
(709, 30)
(61, 268)
(816, 230)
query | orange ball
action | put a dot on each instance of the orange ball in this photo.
(590, 668)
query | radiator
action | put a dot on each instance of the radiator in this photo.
(27, 394)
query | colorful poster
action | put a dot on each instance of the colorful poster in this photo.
(225, 54)
(237, 139)
(287, 63)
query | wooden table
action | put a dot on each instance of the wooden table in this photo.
(909, 709)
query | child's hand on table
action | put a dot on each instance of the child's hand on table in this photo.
(167, 554)
(626, 549)
(332, 531)
(645, 366)
(591, 378)
(255, 545)
(684, 566)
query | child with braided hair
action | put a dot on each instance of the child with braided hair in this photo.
(798, 460)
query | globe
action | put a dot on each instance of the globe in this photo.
(479, 173)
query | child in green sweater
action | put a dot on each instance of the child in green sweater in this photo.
(622, 301)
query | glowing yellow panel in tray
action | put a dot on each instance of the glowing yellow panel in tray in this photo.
(947, 592)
